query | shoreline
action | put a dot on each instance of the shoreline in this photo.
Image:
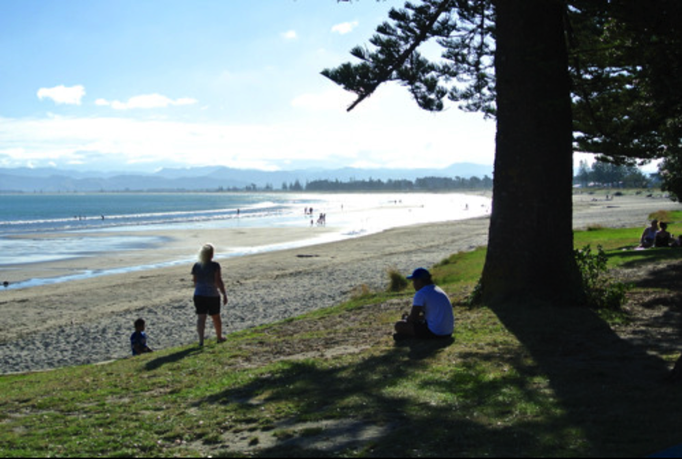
(90, 320)
(169, 248)
(61, 255)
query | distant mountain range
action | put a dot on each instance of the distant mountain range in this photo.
(50, 180)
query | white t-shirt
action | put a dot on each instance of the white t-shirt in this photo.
(437, 309)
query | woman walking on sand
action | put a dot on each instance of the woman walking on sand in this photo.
(208, 287)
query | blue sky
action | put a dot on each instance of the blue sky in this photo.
(140, 84)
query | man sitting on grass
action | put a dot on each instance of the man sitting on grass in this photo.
(431, 316)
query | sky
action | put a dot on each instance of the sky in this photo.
(143, 84)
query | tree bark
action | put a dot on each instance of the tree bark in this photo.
(530, 250)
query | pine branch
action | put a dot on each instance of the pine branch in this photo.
(402, 58)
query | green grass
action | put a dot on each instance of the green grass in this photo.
(619, 245)
(526, 381)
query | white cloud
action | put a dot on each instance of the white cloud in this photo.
(345, 27)
(387, 130)
(146, 101)
(289, 35)
(62, 94)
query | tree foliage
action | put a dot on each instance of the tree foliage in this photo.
(611, 175)
(625, 58)
(671, 177)
(420, 184)
(462, 28)
(557, 75)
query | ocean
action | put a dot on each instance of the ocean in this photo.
(128, 221)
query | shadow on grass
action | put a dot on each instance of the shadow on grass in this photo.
(419, 350)
(668, 276)
(172, 358)
(607, 396)
(614, 390)
(660, 290)
(450, 416)
(637, 258)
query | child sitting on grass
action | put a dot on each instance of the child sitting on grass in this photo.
(138, 340)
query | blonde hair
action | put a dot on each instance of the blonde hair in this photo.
(206, 253)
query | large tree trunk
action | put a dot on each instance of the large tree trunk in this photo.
(530, 251)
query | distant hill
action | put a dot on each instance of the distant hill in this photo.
(48, 180)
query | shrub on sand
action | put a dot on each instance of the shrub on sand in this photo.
(661, 216)
(397, 282)
(361, 292)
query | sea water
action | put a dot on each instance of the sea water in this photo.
(79, 225)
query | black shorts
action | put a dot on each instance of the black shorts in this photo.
(207, 305)
(422, 331)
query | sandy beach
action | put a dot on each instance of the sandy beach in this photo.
(90, 320)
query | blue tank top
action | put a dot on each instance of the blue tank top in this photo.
(205, 275)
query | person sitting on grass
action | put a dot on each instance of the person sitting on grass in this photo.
(649, 235)
(138, 340)
(663, 237)
(431, 316)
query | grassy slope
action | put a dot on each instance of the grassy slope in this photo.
(530, 381)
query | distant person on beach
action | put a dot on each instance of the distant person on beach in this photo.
(431, 316)
(663, 237)
(208, 287)
(649, 235)
(138, 340)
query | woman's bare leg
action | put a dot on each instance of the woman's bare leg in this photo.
(201, 327)
(218, 324)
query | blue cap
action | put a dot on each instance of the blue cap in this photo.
(420, 273)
